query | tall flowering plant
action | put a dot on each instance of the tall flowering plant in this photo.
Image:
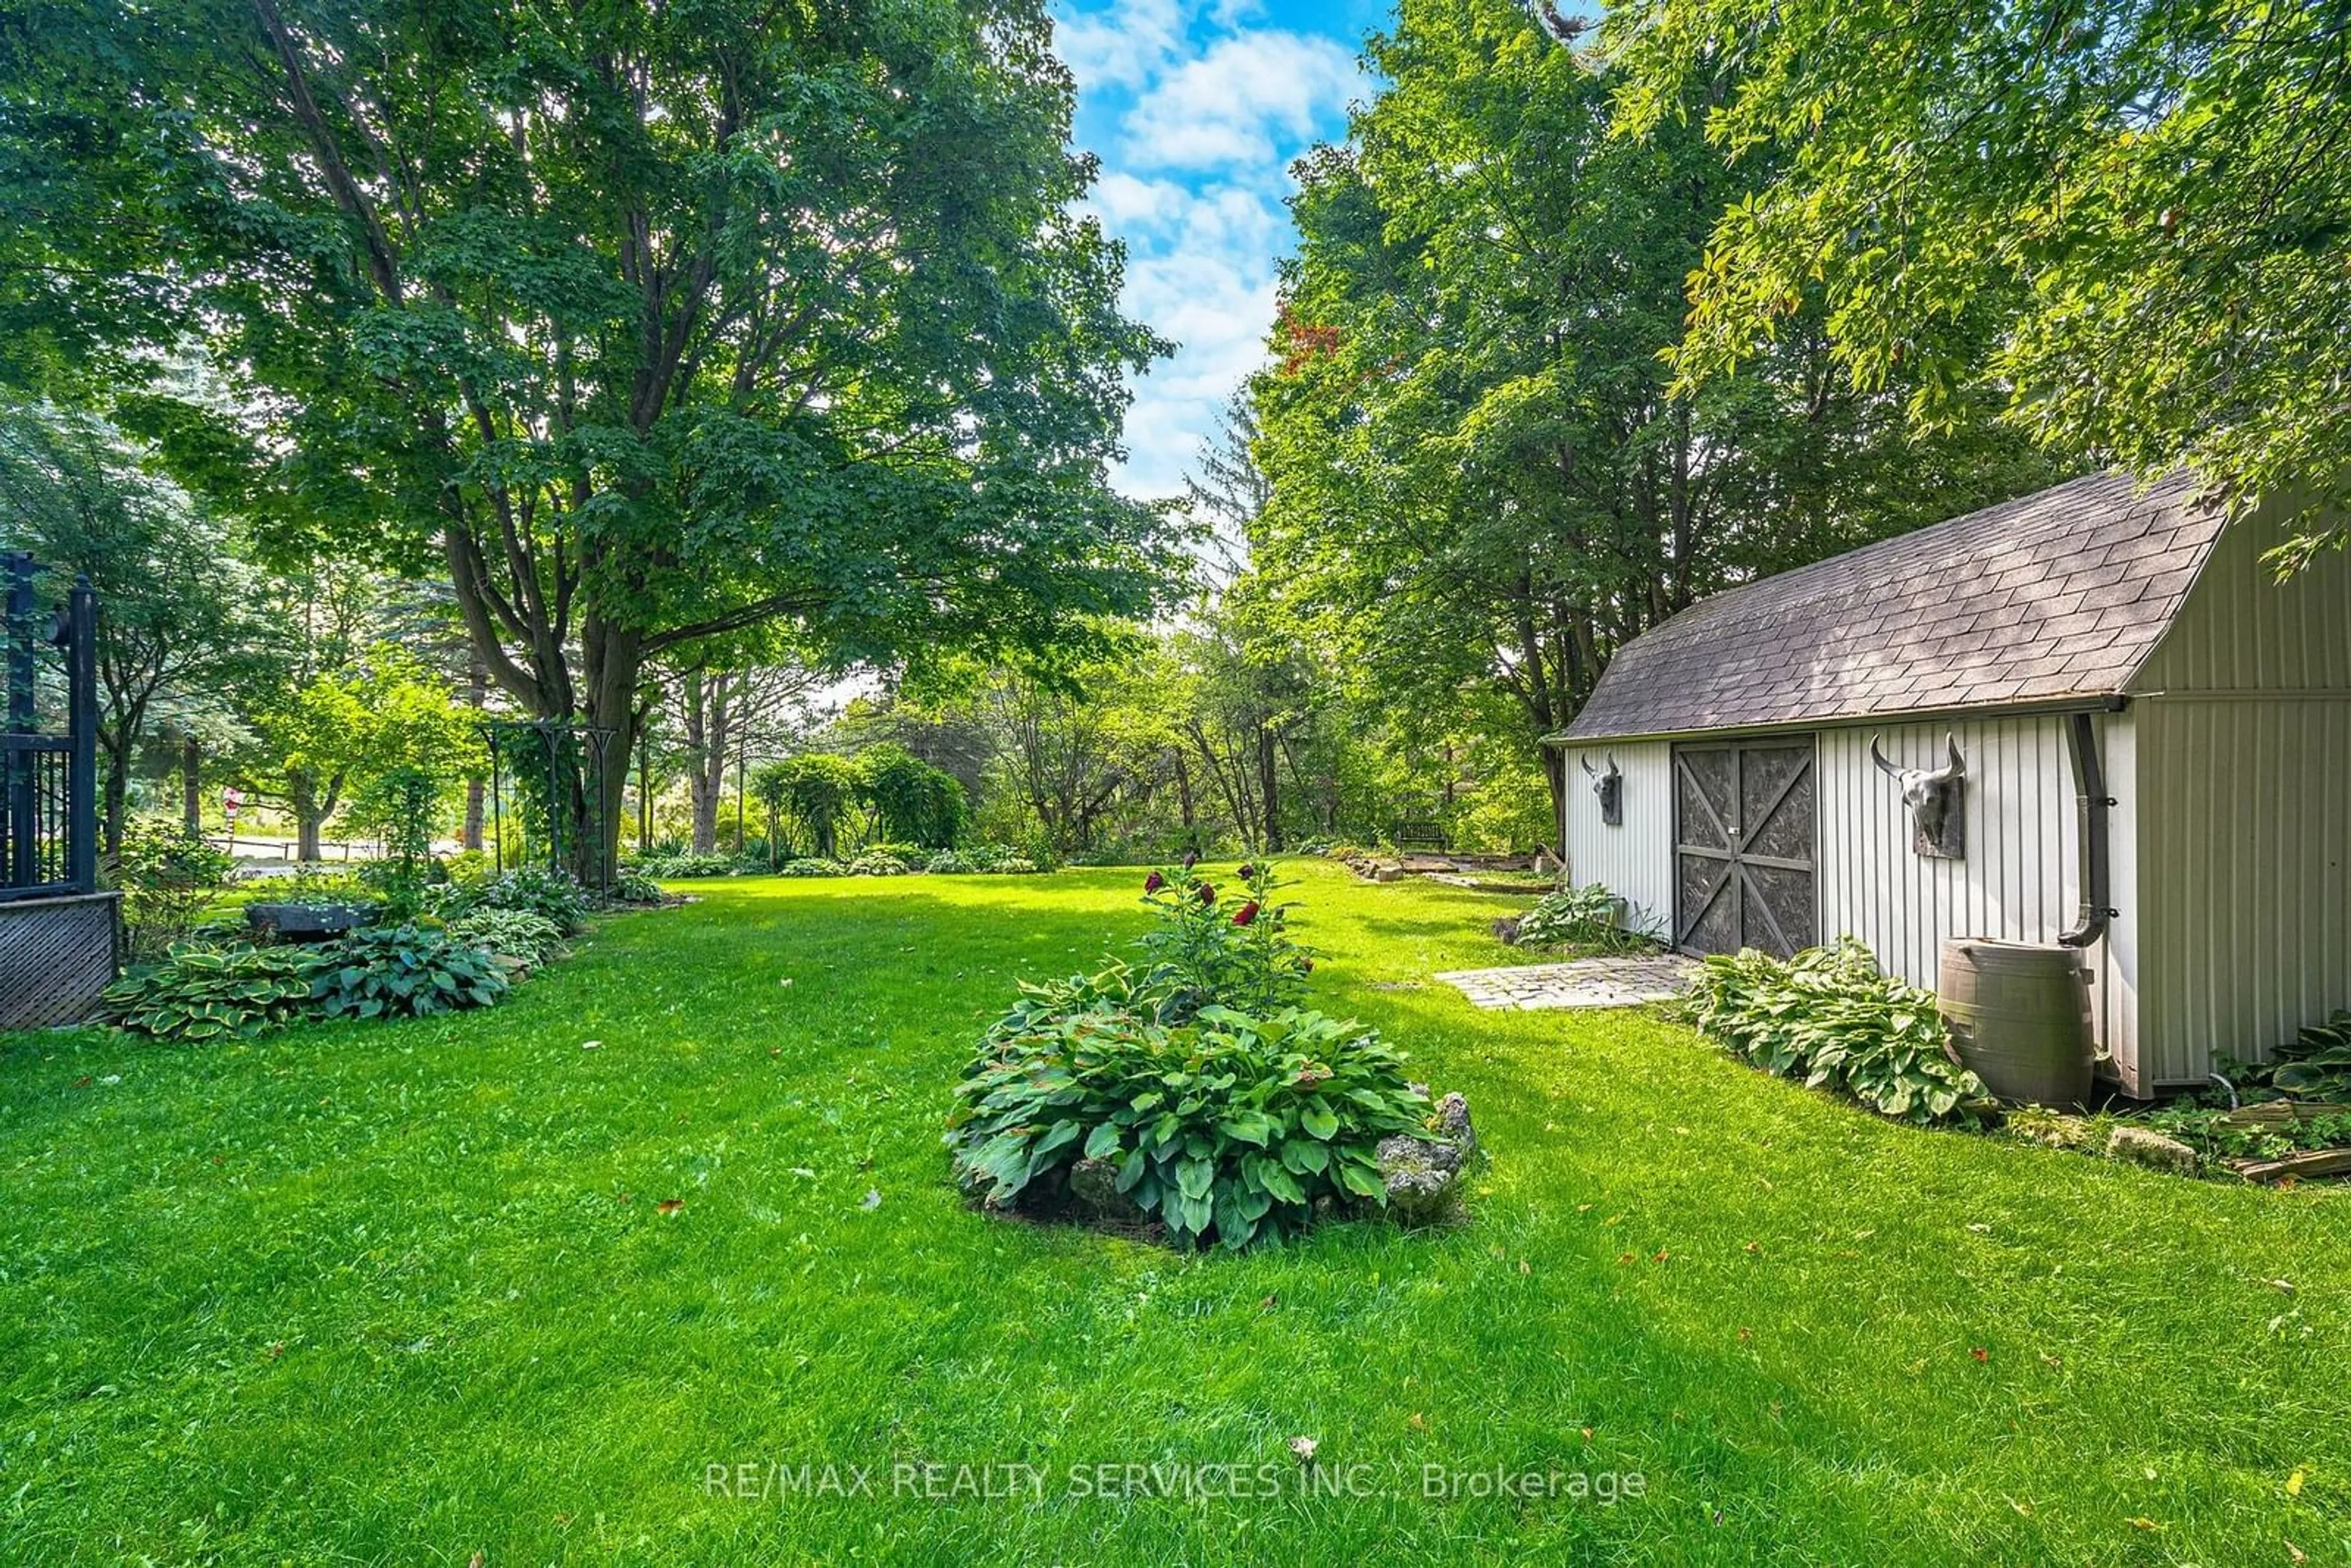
(1226, 944)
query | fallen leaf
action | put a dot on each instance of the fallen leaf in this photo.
(1587, 1434)
(1981, 1229)
(1304, 1448)
(785, 981)
(1270, 1302)
(1755, 1246)
(1744, 1336)
(670, 1204)
(2024, 1508)
(2142, 1522)
(2293, 1484)
(591, 1045)
(1661, 1256)
(2285, 1285)
(2295, 1555)
(277, 1347)
(1980, 1353)
(1418, 1422)
(475, 1560)
(1623, 1257)
(1525, 1267)
(2048, 1360)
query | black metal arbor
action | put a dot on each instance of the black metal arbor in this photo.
(557, 799)
(48, 779)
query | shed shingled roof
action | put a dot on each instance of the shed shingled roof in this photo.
(2055, 596)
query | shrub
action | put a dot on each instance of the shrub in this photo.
(1230, 946)
(873, 862)
(199, 993)
(1001, 859)
(1829, 1017)
(529, 941)
(1581, 916)
(679, 867)
(813, 865)
(403, 971)
(533, 890)
(169, 881)
(1232, 1126)
(468, 866)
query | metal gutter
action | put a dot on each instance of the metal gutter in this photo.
(2092, 802)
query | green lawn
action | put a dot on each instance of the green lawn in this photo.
(406, 1293)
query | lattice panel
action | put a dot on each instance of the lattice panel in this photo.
(56, 955)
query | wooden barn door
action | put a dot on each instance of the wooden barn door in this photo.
(1743, 822)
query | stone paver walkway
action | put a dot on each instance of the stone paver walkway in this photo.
(1584, 983)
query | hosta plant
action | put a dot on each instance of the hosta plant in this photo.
(403, 971)
(533, 890)
(524, 940)
(878, 863)
(199, 993)
(1230, 1128)
(1581, 916)
(634, 887)
(809, 865)
(1828, 1017)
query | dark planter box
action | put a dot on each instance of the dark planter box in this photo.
(307, 922)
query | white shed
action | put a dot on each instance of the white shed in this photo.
(2157, 764)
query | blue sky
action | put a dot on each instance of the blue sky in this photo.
(1196, 109)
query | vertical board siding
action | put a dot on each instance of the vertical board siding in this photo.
(2020, 879)
(2240, 629)
(1636, 861)
(2245, 857)
(2244, 843)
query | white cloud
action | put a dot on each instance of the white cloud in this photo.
(1251, 98)
(1202, 114)
(1124, 46)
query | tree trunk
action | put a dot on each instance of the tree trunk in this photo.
(478, 694)
(115, 800)
(1268, 785)
(705, 746)
(192, 798)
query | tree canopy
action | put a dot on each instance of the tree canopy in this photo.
(645, 322)
(1481, 478)
(2150, 202)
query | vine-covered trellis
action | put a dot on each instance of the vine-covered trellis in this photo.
(547, 796)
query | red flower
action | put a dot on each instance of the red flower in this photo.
(1247, 872)
(1153, 883)
(1246, 913)
(1207, 893)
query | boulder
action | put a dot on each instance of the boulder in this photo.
(1453, 1122)
(1419, 1176)
(2145, 1147)
(1422, 1171)
(1093, 1186)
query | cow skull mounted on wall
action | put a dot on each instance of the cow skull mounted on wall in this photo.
(1937, 798)
(1610, 787)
